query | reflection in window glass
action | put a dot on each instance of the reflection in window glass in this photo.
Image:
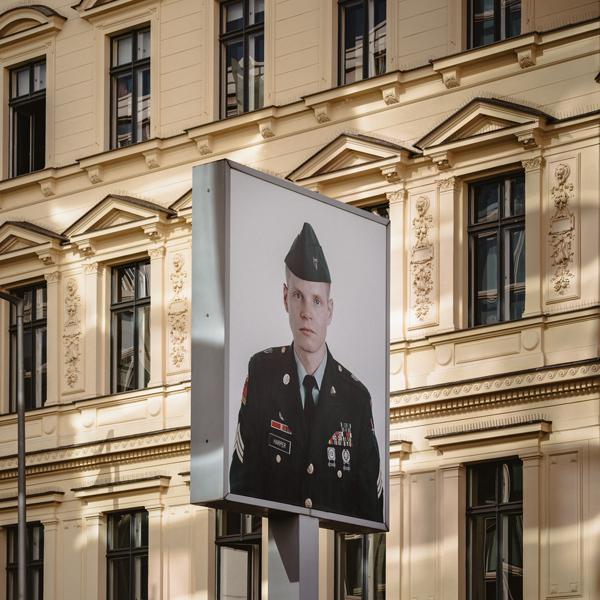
(35, 562)
(361, 566)
(493, 20)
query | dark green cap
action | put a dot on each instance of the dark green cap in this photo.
(306, 259)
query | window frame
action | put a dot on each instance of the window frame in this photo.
(499, 32)
(31, 326)
(134, 67)
(342, 5)
(134, 304)
(248, 541)
(132, 552)
(500, 226)
(15, 105)
(32, 564)
(498, 510)
(244, 33)
(367, 566)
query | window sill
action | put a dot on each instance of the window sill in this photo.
(35, 498)
(118, 487)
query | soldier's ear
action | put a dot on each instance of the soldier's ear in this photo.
(285, 296)
(330, 307)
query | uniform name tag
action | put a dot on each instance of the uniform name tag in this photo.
(279, 443)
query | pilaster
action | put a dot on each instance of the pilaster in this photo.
(50, 555)
(534, 170)
(53, 351)
(94, 585)
(94, 383)
(393, 544)
(397, 205)
(453, 531)
(158, 341)
(532, 464)
(155, 552)
(449, 260)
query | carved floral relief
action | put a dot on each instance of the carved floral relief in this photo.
(178, 312)
(421, 263)
(72, 333)
(561, 231)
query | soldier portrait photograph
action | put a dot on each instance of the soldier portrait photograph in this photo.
(305, 433)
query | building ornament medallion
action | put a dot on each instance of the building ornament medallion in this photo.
(53, 277)
(178, 312)
(396, 196)
(448, 185)
(562, 230)
(72, 333)
(421, 263)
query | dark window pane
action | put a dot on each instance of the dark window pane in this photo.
(512, 556)
(143, 104)
(40, 303)
(483, 484)
(123, 284)
(40, 366)
(123, 104)
(512, 482)
(514, 196)
(511, 18)
(483, 558)
(485, 202)
(38, 123)
(118, 579)
(234, 70)
(123, 359)
(352, 59)
(377, 37)
(27, 369)
(22, 141)
(351, 563)
(233, 16)
(256, 48)
(514, 278)
(230, 523)
(143, 290)
(257, 11)
(143, 327)
(119, 532)
(483, 22)
(486, 282)
(141, 577)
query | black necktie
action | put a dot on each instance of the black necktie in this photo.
(310, 410)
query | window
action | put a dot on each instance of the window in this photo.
(127, 556)
(35, 562)
(28, 118)
(497, 249)
(34, 347)
(360, 566)
(242, 56)
(130, 88)
(493, 20)
(130, 312)
(361, 20)
(495, 531)
(238, 555)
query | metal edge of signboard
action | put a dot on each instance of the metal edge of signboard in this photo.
(208, 316)
(294, 187)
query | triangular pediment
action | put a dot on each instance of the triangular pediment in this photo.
(24, 20)
(346, 151)
(88, 9)
(19, 235)
(481, 116)
(183, 203)
(116, 211)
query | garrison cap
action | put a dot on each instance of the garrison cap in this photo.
(306, 259)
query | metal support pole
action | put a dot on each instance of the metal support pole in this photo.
(22, 510)
(293, 557)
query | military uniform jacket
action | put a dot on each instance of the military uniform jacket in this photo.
(336, 470)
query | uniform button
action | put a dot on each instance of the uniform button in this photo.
(310, 469)
(339, 473)
(340, 368)
(308, 503)
(283, 350)
(278, 458)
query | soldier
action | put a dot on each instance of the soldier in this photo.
(305, 433)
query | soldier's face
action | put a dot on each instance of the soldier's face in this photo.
(310, 310)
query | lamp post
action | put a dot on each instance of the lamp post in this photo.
(21, 501)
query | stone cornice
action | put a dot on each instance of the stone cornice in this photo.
(520, 387)
(155, 445)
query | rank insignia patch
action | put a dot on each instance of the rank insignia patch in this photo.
(280, 427)
(331, 457)
(346, 459)
(245, 392)
(342, 437)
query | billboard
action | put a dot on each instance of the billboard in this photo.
(288, 284)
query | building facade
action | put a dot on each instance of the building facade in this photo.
(472, 124)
